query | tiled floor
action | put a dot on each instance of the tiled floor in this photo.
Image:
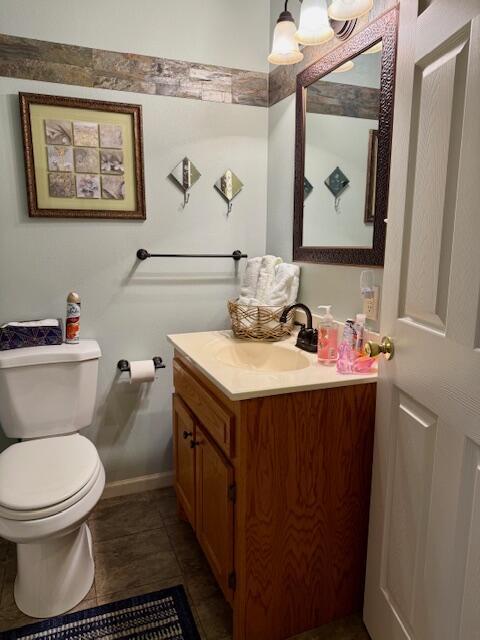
(141, 546)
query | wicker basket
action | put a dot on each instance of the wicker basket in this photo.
(259, 323)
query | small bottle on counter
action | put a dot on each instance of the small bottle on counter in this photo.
(360, 329)
(72, 321)
(350, 333)
(327, 336)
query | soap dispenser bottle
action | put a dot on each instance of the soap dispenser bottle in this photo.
(327, 336)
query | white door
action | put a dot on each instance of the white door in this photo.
(423, 568)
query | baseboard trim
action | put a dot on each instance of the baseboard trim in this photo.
(138, 484)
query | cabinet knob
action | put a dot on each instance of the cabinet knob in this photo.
(187, 434)
(194, 444)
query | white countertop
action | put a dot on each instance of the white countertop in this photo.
(239, 383)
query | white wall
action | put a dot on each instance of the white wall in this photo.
(281, 158)
(129, 307)
(186, 30)
(333, 141)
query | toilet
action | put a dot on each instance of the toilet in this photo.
(53, 477)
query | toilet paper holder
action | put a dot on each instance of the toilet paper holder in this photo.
(124, 365)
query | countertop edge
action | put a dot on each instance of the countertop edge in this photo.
(249, 395)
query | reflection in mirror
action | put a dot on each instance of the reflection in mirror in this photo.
(343, 133)
(341, 125)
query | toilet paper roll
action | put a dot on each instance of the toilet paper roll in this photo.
(142, 371)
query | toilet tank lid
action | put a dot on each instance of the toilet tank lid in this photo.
(83, 350)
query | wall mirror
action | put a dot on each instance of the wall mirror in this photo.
(344, 114)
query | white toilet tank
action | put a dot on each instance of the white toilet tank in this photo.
(48, 390)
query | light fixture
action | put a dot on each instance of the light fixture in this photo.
(375, 49)
(314, 25)
(346, 66)
(343, 29)
(285, 48)
(349, 9)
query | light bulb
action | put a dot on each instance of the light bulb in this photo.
(349, 9)
(346, 66)
(285, 48)
(314, 25)
(375, 49)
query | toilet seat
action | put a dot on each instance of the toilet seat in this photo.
(41, 478)
(17, 514)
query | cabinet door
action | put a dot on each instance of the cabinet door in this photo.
(214, 518)
(184, 457)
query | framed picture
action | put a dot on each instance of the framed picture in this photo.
(369, 215)
(83, 158)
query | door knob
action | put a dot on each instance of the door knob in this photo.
(187, 434)
(386, 347)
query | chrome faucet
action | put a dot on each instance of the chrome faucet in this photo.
(307, 338)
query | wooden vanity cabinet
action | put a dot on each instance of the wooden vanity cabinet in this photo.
(204, 484)
(215, 510)
(184, 433)
(277, 490)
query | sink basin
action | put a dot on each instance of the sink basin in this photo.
(256, 356)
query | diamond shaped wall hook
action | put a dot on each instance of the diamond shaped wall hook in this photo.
(185, 175)
(307, 188)
(229, 186)
(337, 182)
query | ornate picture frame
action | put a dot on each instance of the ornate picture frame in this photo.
(83, 158)
(371, 186)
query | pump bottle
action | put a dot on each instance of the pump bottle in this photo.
(327, 336)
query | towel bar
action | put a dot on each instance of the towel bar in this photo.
(143, 254)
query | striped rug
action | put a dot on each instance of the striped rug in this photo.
(159, 615)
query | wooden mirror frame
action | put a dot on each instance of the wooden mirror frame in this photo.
(383, 28)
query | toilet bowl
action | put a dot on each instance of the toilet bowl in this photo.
(47, 489)
(50, 480)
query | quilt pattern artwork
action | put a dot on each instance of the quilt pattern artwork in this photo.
(85, 159)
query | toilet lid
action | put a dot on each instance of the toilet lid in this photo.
(40, 473)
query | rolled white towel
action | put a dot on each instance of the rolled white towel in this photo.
(266, 277)
(249, 302)
(250, 279)
(285, 286)
(280, 291)
(292, 298)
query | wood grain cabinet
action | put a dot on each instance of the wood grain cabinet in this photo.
(214, 514)
(184, 434)
(277, 490)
